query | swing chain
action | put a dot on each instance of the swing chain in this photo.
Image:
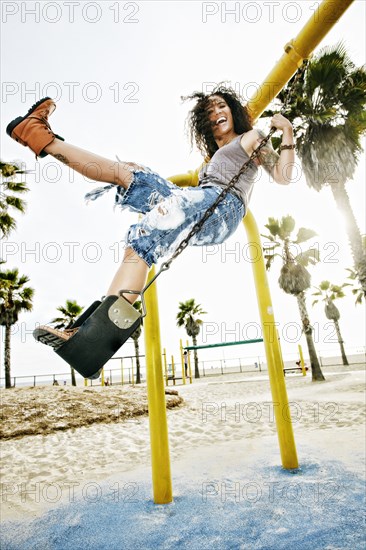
(198, 226)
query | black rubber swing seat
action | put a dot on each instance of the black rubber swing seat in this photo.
(102, 329)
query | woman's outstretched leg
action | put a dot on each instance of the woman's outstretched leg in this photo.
(89, 164)
(131, 275)
(33, 130)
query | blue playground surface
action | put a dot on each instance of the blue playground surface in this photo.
(257, 506)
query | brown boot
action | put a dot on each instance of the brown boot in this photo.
(33, 129)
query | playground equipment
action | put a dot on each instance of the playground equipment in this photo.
(173, 376)
(296, 51)
(102, 329)
(106, 325)
(223, 344)
(301, 365)
(115, 319)
(184, 365)
(302, 362)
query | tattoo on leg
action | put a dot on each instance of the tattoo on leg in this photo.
(61, 158)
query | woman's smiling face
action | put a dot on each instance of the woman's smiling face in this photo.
(220, 117)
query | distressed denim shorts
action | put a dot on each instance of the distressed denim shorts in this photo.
(171, 212)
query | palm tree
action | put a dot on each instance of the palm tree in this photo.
(294, 277)
(135, 336)
(187, 318)
(353, 276)
(15, 297)
(327, 109)
(328, 293)
(70, 311)
(356, 290)
(8, 199)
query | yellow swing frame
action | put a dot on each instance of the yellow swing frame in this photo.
(296, 51)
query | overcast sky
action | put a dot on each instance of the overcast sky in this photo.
(117, 71)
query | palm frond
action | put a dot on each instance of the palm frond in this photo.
(270, 238)
(15, 186)
(273, 227)
(309, 257)
(287, 226)
(16, 202)
(304, 235)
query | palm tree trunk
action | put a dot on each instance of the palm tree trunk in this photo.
(316, 371)
(196, 370)
(73, 379)
(7, 357)
(340, 340)
(353, 232)
(137, 353)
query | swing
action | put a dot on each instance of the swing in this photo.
(106, 325)
(102, 329)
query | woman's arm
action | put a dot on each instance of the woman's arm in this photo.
(283, 169)
(280, 167)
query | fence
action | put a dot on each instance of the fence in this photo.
(126, 374)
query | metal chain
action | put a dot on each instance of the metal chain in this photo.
(198, 226)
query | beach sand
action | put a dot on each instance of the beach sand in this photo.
(225, 425)
(43, 410)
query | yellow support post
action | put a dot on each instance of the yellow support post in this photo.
(160, 460)
(102, 376)
(173, 370)
(272, 348)
(189, 365)
(182, 361)
(298, 49)
(302, 362)
(85, 381)
(165, 368)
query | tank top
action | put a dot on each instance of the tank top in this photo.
(225, 164)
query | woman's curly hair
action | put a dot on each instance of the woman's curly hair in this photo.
(198, 123)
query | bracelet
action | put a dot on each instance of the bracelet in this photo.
(282, 147)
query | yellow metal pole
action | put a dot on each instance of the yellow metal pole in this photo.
(189, 365)
(160, 460)
(102, 376)
(165, 368)
(182, 361)
(272, 348)
(302, 362)
(298, 49)
(280, 350)
(85, 381)
(173, 370)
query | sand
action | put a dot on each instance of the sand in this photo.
(218, 415)
(44, 410)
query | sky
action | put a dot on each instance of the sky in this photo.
(117, 71)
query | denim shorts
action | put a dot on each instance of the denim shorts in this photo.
(171, 212)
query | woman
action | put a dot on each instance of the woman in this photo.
(222, 129)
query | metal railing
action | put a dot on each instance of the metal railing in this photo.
(126, 374)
